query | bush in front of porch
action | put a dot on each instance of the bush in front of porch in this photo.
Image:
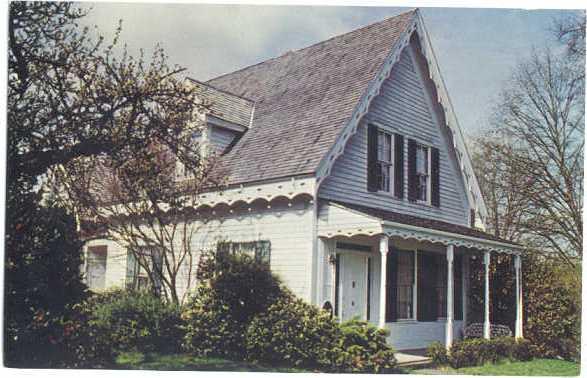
(552, 301)
(301, 335)
(241, 311)
(476, 352)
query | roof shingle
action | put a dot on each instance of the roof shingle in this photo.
(303, 99)
(434, 224)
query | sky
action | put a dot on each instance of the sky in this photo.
(477, 49)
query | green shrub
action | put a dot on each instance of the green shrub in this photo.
(437, 353)
(523, 350)
(363, 348)
(293, 333)
(210, 327)
(118, 321)
(232, 289)
(42, 278)
(475, 352)
(552, 302)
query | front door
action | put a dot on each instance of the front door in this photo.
(353, 283)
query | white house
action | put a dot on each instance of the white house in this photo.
(348, 173)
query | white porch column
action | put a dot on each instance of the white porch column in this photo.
(519, 304)
(486, 324)
(449, 295)
(383, 249)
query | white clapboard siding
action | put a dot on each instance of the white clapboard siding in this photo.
(403, 107)
(289, 229)
(221, 138)
(334, 219)
(416, 335)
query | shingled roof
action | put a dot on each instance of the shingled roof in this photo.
(303, 99)
(434, 224)
(224, 105)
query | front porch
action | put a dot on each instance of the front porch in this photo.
(413, 281)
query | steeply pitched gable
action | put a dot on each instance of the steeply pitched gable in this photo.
(303, 99)
(309, 102)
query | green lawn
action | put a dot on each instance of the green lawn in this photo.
(134, 360)
(538, 367)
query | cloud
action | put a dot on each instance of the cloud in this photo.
(477, 48)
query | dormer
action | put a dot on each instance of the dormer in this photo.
(228, 118)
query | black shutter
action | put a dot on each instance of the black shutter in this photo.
(458, 287)
(399, 166)
(372, 183)
(412, 179)
(391, 297)
(435, 173)
(472, 218)
(427, 295)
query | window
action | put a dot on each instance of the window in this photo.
(432, 286)
(405, 285)
(258, 250)
(384, 161)
(423, 172)
(401, 285)
(137, 277)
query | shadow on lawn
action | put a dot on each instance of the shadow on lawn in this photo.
(153, 361)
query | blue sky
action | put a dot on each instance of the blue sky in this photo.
(476, 48)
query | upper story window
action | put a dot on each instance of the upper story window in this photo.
(384, 161)
(423, 172)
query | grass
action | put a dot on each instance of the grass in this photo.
(537, 367)
(154, 361)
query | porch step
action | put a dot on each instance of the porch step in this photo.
(412, 358)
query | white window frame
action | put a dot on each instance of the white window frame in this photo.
(428, 200)
(390, 163)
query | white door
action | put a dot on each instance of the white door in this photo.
(96, 267)
(353, 282)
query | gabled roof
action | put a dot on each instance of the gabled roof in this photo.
(309, 102)
(303, 99)
(224, 105)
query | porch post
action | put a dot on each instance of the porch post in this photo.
(449, 296)
(486, 324)
(519, 303)
(383, 249)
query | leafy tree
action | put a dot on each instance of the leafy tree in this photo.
(69, 98)
(42, 278)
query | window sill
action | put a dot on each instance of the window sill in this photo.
(383, 193)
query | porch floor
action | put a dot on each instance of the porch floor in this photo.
(409, 357)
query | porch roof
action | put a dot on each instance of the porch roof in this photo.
(422, 229)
